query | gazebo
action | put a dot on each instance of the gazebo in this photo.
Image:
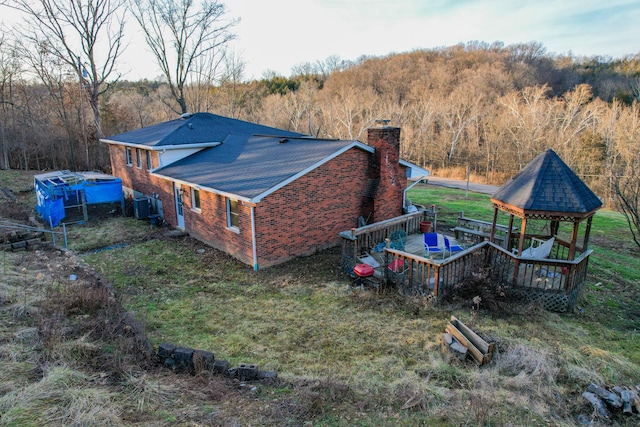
(548, 190)
(546, 203)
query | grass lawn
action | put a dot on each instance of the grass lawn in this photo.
(360, 358)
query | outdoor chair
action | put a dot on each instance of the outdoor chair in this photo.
(539, 249)
(452, 248)
(398, 239)
(397, 269)
(431, 244)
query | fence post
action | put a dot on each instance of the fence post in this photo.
(53, 234)
(64, 230)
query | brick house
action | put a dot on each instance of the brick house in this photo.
(263, 195)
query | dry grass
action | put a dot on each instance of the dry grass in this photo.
(461, 173)
(63, 396)
(147, 392)
(71, 354)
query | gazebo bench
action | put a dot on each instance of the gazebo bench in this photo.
(477, 230)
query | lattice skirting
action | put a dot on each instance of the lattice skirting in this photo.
(552, 301)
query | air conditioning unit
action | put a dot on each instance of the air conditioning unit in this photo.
(141, 207)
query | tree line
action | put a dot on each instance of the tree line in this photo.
(484, 107)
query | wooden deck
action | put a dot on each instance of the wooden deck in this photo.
(553, 281)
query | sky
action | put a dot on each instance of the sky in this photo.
(279, 34)
(276, 35)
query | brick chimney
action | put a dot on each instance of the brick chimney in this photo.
(386, 169)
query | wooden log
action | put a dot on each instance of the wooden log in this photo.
(635, 399)
(626, 396)
(475, 353)
(480, 344)
(598, 406)
(627, 399)
(610, 398)
(485, 348)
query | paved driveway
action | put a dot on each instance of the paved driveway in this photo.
(454, 183)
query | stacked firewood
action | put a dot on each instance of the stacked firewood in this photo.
(462, 342)
(617, 399)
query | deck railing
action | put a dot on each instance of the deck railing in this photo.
(359, 240)
(552, 282)
(560, 248)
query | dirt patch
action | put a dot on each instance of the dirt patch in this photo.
(11, 208)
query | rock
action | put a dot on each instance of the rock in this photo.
(203, 360)
(165, 350)
(264, 375)
(184, 358)
(247, 371)
(220, 366)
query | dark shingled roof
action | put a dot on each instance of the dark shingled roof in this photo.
(547, 184)
(198, 128)
(250, 165)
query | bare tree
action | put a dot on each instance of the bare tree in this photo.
(86, 34)
(627, 192)
(229, 91)
(184, 38)
(9, 71)
(62, 100)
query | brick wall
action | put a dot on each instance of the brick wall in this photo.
(299, 219)
(139, 179)
(308, 214)
(209, 225)
(386, 168)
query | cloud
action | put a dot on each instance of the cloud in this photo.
(280, 34)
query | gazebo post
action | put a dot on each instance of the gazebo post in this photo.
(509, 232)
(522, 235)
(516, 267)
(493, 224)
(587, 232)
(574, 238)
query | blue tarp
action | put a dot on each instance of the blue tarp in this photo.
(50, 210)
(56, 190)
(103, 191)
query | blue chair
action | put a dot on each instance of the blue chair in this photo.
(451, 248)
(431, 244)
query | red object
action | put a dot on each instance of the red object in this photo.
(564, 270)
(363, 270)
(397, 266)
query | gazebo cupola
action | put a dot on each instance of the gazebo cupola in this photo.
(548, 190)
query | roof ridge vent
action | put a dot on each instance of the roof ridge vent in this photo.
(283, 141)
(186, 116)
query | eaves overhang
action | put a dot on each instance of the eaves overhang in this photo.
(163, 147)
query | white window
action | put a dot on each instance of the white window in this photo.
(232, 214)
(138, 158)
(149, 164)
(195, 199)
(127, 152)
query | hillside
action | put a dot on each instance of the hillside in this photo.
(484, 108)
(75, 323)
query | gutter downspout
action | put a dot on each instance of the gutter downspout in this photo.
(404, 192)
(253, 238)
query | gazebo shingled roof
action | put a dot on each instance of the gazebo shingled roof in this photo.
(548, 189)
(548, 185)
